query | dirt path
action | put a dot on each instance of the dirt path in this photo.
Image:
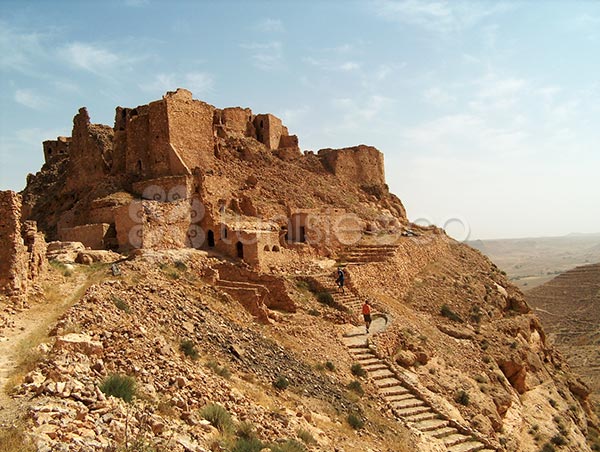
(27, 329)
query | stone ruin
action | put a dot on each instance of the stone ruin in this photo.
(22, 249)
(154, 181)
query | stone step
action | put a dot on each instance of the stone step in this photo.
(369, 360)
(423, 416)
(469, 446)
(428, 425)
(444, 432)
(405, 413)
(357, 348)
(387, 382)
(408, 403)
(396, 397)
(394, 390)
(373, 367)
(454, 439)
(364, 356)
(381, 374)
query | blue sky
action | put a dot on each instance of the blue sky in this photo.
(487, 112)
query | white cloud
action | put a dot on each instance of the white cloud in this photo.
(269, 25)
(90, 57)
(497, 93)
(357, 113)
(349, 66)
(30, 99)
(439, 15)
(266, 56)
(199, 83)
(18, 50)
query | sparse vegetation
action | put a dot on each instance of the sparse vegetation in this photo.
(306, 437)
(356, 387)
(326, 298)
(245, 430)
(290, 445)
(219, 370)
(462, 397)
(64, 269)
(355, 421)
(120, 304)
(218, 416)
(559, 440)
(189, 349)
(247, 445)
(548, 447)
(329, 366)
(281, 382)
(14, 439)
(121, 386)
(552, 403)
(357, 370)
(450, 314)
(314, 312)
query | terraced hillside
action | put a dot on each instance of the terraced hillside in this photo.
(569, 306)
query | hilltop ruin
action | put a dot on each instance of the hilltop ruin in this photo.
(179, 172)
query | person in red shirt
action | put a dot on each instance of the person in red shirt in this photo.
(366, 310)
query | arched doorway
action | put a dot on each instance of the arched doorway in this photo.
(210, 237)
(240, 250)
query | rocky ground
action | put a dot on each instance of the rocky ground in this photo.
(457, 334)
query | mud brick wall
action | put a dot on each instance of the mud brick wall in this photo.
(361, 164)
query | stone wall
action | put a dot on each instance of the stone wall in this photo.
(22, 248)
(236, 121)
(93, 236)
(190, 128)
(361, 164)
(157, 225)
(325, 228)
(90, 152)
(55, 150)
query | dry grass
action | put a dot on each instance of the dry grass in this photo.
(55, 305)
(14, 439)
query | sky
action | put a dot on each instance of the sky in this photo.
(487, 112)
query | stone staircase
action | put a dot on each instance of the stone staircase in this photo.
(410, 408)
(364, 254)
(348, 299)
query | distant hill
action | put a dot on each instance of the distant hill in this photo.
(569, 307)
(530, 262)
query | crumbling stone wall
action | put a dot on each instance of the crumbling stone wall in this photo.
(90, 152)
(21, 261)
(94, 236)
(55, 150)
(236, 121)
(361, 164)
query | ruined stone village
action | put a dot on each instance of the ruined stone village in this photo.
(193, 251)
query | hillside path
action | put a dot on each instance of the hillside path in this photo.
(406, 403)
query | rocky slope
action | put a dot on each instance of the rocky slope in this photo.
(458, 335)
(569, 308)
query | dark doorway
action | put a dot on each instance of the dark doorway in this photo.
(240, 250)
(210, 237)
(302, 237)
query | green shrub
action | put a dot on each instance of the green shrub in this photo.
(219, 370)
(290, 445)
(326, 298)
(356, 387)
(314, 312)
(449, 313)
(548, 447)
(218, 416)
(120, 386)
(247, 445)
(462, 397)
(120, 304)
(281, 382)
(179, 265)
(558, 440)
(329, 366)
(356, 422)
(357, 370)
(306, 437)
(245, 430)
(189, 349)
